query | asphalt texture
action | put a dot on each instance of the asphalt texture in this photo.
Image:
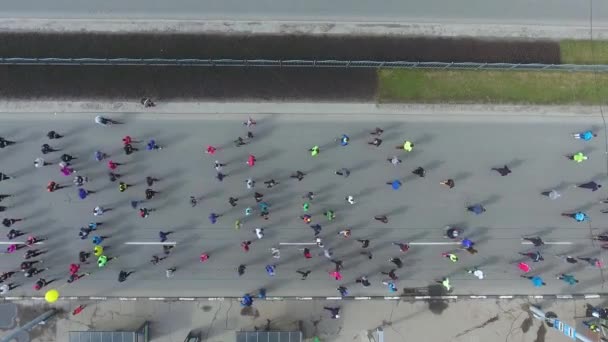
(462, 148)
(205, 46)
(555, 12)
(174, 83)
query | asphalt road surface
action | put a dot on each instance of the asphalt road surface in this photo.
(463, 148)
(556, 12)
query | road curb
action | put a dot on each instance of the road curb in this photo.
(334, 298)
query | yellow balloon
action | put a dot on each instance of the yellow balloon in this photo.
(51, 296)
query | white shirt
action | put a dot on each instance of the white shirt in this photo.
(478, 274)
(38, 162)
(259, 232)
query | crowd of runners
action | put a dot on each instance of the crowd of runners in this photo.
(96, 255)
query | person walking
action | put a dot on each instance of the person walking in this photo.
(343, 291)
(552, 194)
(304, 274)
(271, 270)
(350, 199)
(395, 184)
(129, 149)
(67, 158)
(394, 160)
(524, 267)
(585, 135)
(534, 256)
(250, 183)
(99, 156)
(170, 272)
(123, 275)
(233, 201)
(593, 186)
(568, 278)
(503, 171)
(381, 218)
(151, 180)
(218, 166)
(344, 140)
(445, 282)
(407, 146)
(377, 131)
(251, 160)
(316, 228)
(152, 145)
(396, 261)
(376, 142)
(594, 262)
(46, 149)
(40, 162)
(258, 197)
(245, 246)
(476, 209)
(536, 280)
(309, 196)
(147, 102)
(149, 193)
(4, 143)
(213, 218)
(80, 180)
(83, 193)
(420, 172)
(334, 312)
(363, 281)
(270, 183)
(122, 186)
(8, 222)
(164, 235)
(40, 283)
(145, 212)
(391, 274)
(578, 157)
(344, 172)
(578, 216)
(306, 253)
(535, 240)
(299, 175)
(476, 272)
(403, 247)
(113, 165)
(4, 176)
(391, 286)
(453, 257)
(103, 121)
(259, 232)
(52, 186)
(448, 183)
(364, 243)
(211, 150)
(241, 269)
(53, 135)
(314, 151)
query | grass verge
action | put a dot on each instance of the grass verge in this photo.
(583, 52)
(468, 86)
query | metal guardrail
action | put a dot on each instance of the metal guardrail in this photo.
(299, 63)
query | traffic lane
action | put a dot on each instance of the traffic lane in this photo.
(156, 161)
(514, 12)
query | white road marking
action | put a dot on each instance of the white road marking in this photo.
(150, 243)
(549, 243)
(297, 243)
(18, 243)
(433, 243)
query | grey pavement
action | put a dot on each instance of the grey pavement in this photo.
(461, 147)
(562, 12)
(458, 321)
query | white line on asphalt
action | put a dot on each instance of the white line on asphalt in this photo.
(297, 243)
(549, 243)
(433, 243)
(151, 243)
(18, 243)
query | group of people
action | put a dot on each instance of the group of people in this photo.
(91, 230)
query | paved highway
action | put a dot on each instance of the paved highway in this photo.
(460, 147)
(539, 12)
